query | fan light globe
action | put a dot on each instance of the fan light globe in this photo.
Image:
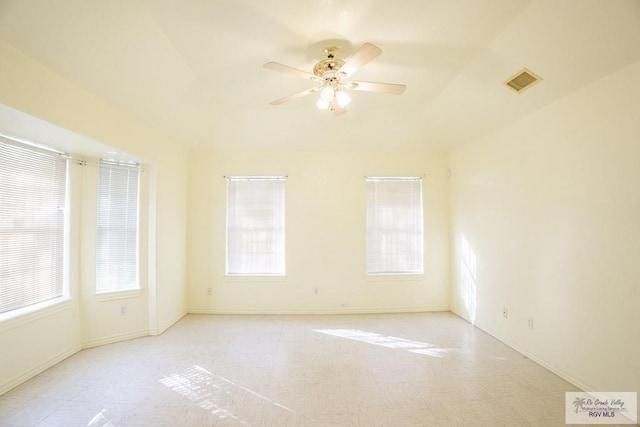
(327, 94)
(322, 104)
(343, 99)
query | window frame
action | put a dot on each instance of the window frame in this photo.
(62, 290)
(231, 268)
(371, 259)
(135, 284)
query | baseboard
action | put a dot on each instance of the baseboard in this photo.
(582, 385)
(16, 381)
(543, 362)
(162, 329)
(115, 338)
(339, 310)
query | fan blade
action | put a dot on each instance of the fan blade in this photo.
(294, 96)
(363, 56)
(391, 88)
(290, 70)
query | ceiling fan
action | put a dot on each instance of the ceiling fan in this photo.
(330, 73)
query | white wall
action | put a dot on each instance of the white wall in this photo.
(33, 343)
(325, 235)
(546, 222)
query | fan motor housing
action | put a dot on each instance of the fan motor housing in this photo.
(329, 65)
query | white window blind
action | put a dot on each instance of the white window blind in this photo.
(255, 226)
(117, 227)
(33, 187)
(394, 225)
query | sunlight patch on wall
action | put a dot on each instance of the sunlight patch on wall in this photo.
(468, 271)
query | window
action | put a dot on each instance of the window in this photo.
(255, 226)
(394, 225)
(117, 227)
(33, 195)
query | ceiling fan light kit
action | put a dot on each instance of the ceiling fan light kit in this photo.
(330, 71)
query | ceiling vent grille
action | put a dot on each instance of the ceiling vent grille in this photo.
(522, 80)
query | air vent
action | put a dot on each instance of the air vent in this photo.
(523, 80)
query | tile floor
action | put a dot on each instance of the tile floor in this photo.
(430, 369)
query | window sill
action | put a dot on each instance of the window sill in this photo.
(115, 295)
(21, 316)
(409, 277)
(248, 278)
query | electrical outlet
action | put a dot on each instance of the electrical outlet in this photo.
(123, 310)
(209, 292)
(505, 312)
(344, 304)
(530, 322)
(315, 290)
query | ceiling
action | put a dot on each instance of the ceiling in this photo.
(193, 68)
